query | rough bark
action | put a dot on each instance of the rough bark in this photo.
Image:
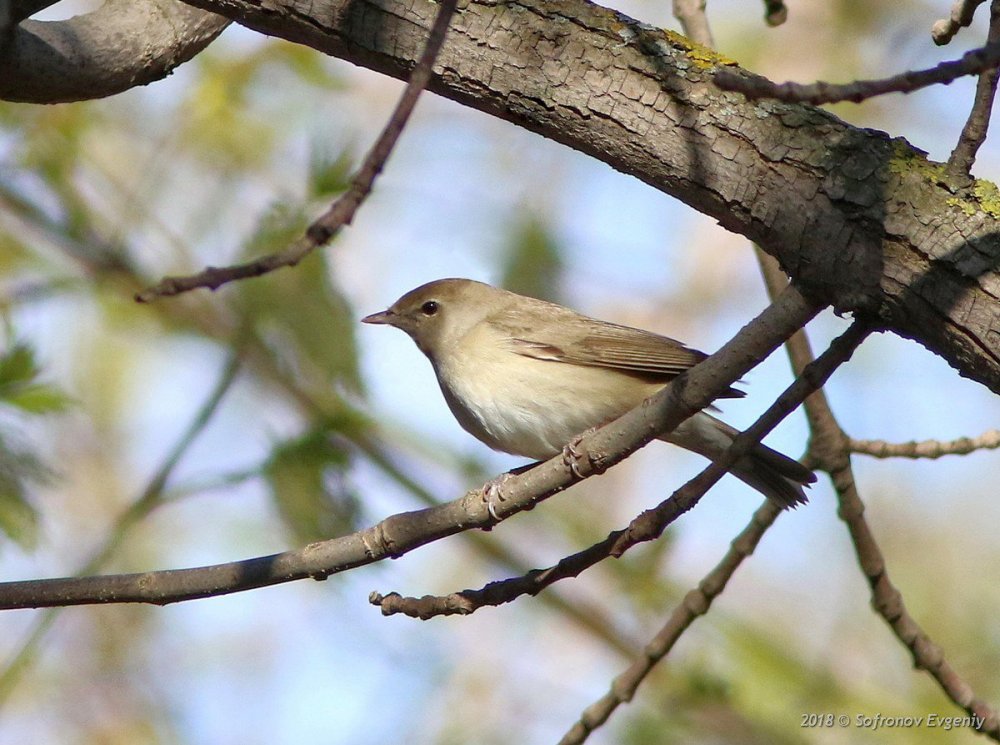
(864, 221)
(120, 45)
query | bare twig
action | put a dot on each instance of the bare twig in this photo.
(974, 132)
(405, 532)
(694, 21)
(887, 599)
(695, 604)
(151, 496)
(828, 450)
(775, 12)
(651, 523)
(989, 440)
(961, 16)
(757, 86)
(342, 211)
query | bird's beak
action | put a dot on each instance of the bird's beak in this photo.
(382, 317)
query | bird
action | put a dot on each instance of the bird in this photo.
(527, 376)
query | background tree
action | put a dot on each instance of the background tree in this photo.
(206, 427)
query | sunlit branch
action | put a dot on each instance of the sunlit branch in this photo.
(694, 21)
(828, 450)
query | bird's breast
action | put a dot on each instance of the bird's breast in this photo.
(527, 406)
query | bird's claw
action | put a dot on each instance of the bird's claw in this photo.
(493, 495)
(572, 457)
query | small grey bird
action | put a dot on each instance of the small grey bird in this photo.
(526, 376)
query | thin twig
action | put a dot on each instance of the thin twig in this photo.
(151, 497)
(695, 604)
(694, 21)
(989, 440)
(650, 524)
(342, 211)
(400, 534)
(828, 450)
(775, 12)
(757, 86)
(962, 13)
(974, 132)
(887, 599)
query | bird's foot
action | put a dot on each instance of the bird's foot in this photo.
(572, 456)
(493, 494)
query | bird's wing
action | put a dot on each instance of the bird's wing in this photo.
(599, 344)
(575, 339)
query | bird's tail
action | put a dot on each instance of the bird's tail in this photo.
(774, 475)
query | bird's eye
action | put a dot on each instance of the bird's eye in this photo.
(429, 308)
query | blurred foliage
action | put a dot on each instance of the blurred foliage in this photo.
(533, 264)
(247, 146)
(309, 478)
(20, 465)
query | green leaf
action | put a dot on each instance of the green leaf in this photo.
(328, 176)
(533, 265)
(301, 314)
(19, 468)
(17, 366)
(18, 370)
(38, 398)
(308, 480)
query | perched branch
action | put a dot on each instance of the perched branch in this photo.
(342, 211)
(757, 86)
(974, 132)
(694, 21)
(650, 524)
(962, 13)
(402, 533)
(695, 604)
(932, 449)
(119, 46)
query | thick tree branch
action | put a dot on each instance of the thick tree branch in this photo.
(21, 10)
(402, 533)
(122, 44)
(864, 221)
